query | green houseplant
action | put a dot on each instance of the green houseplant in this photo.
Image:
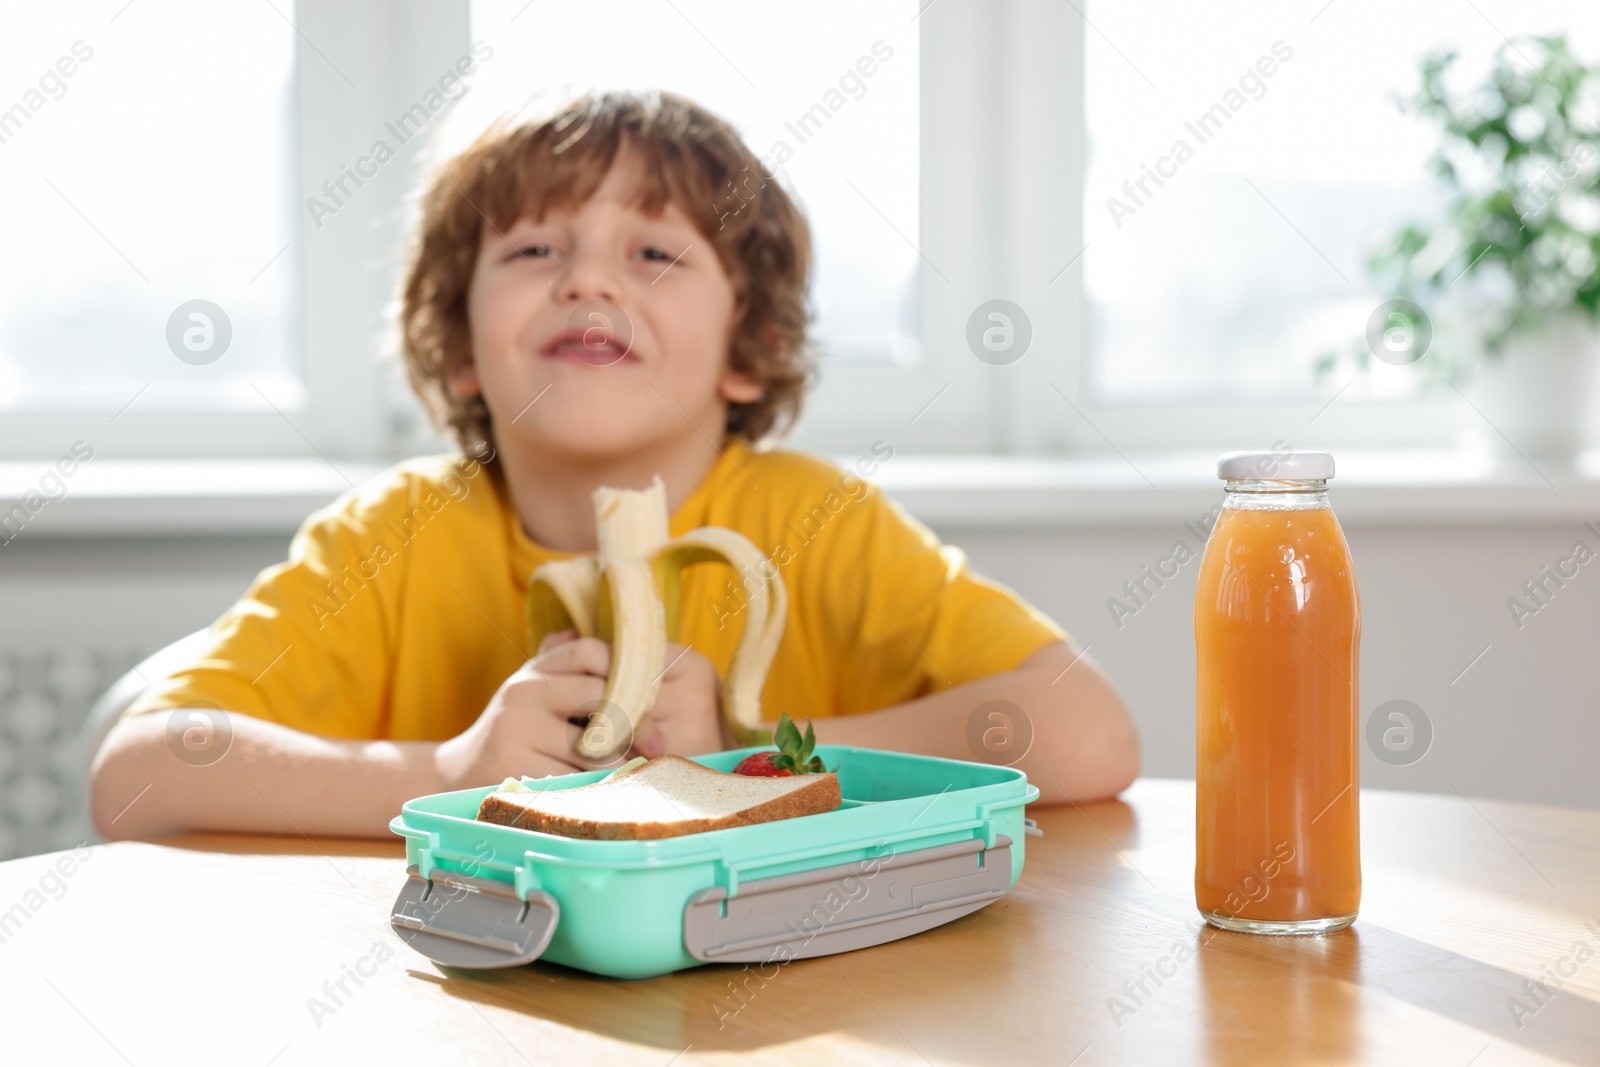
(1519, 235)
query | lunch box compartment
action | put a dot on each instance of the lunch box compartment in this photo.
(917, 841)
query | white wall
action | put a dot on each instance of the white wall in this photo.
(73, 613)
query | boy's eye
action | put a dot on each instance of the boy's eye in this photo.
(535, 250)
(657, 254)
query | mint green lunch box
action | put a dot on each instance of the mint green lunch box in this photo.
(916, 842)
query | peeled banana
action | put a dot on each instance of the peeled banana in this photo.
(629, 595)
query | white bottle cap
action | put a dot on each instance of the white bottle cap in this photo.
(1275, 466)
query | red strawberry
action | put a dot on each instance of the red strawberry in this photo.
(793, 755)
(760, 766)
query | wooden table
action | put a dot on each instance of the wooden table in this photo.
(211, 950)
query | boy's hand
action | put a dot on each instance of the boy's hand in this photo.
(532, 723)
(687, 719)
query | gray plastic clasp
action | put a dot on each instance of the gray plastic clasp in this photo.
(847, 906)
(461, 921)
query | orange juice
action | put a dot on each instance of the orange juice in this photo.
(1277, 626)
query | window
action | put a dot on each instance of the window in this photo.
(1220, 284)
(149, 163)
(190, 151)
(948, 156)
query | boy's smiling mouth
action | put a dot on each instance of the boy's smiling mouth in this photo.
(595, 346)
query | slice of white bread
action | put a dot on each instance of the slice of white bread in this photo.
(668, 796)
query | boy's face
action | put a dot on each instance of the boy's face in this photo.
(614, 327)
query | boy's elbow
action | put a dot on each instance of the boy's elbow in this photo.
(1122, 755)
(106, 770)
(117, 780)
(1107, 762)
(1089, 769)
(1094, 752)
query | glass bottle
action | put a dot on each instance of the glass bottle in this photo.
(1277, 624)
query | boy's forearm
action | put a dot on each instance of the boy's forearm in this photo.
(1084, 744)
(272, 779)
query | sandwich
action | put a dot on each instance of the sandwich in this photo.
(668, 796)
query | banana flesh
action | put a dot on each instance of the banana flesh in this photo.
(628, 594)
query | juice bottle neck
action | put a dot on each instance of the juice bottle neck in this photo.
(1269, 494)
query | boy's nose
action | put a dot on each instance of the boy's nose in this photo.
(587, 277)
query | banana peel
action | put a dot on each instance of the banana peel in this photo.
(629, 594)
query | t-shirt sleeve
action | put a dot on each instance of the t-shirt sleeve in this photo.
(906, 615)
(308, 644)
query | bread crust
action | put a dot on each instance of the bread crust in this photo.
(516, 809)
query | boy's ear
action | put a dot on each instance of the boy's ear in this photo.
(738, 388)
(463, 378)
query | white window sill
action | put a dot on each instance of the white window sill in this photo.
(110, 498)
(1391, 486)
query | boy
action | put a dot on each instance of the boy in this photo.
(586, 305)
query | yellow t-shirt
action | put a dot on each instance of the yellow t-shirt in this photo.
(400, 609)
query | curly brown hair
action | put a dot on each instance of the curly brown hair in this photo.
(691, 158)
